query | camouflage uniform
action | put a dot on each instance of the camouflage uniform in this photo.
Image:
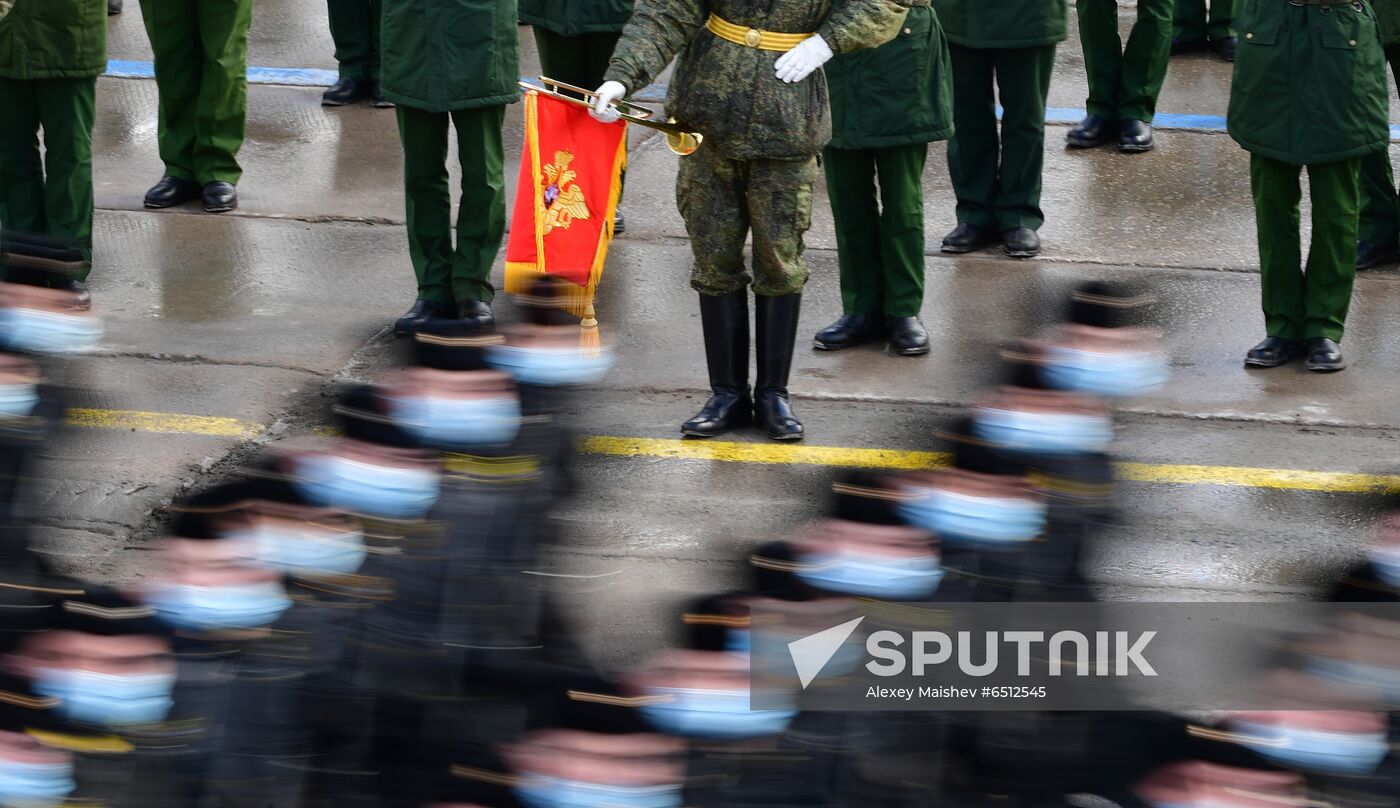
(757, 166)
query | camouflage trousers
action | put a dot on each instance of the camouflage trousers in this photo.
(722, 200)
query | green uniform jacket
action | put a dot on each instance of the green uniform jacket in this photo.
(1309, 85)
(988, 24)
(54, 39)
(574, 17)
(728, 92)
(1388, 12)
(445, 55)
(897, 94)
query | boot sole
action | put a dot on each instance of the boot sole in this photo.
(954, 250)
(1022, 253)
(1260, 363)
(220, 208)
(1328, 368)
(912, 351)
(1136, 149)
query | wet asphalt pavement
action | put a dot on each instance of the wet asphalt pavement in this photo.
(250, 315)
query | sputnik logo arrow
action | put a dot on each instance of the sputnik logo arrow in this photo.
(811, 653)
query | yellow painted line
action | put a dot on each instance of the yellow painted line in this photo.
(797, 454)
(161, 422)
(770, 453)
(1243, 476)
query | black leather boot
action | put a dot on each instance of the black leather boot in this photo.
(776, 328)
(725, 319)
(1094, 130)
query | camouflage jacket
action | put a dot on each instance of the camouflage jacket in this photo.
(729, 92)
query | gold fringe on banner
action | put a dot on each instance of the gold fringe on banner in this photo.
(578, 299)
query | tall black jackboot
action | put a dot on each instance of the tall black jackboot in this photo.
(776, 326)
(725, 319)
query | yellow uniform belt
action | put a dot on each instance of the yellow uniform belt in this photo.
(752, 37)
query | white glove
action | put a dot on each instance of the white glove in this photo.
(604, 106)
(803, 60)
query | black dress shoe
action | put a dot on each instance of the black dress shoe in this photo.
(82, 297)
(1271, 353)
(171, 191)
(114, 7)
(848, 330)
(346, 91)
(220, 196)
(1324, 355)
(377, 99)
(477, 312)
(1021, 242)
(1094, 130)
(908, 337)
(421, 313)
(966, 238)
(1369, 254)
(1134, 136)
(1226, 48)
(619, 224)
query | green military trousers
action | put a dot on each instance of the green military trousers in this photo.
(201, 50)
(1297, 304)
(448, 273)
(52, 195)
(879, 238)
(1380, 208)
(996, 175)
(1124, 82)
(723, 200)
(355, 31)
(1194, 26)
(578, 60)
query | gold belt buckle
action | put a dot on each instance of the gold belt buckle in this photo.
(753, 37)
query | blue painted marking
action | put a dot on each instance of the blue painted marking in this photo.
(655, 94)
(285, 76)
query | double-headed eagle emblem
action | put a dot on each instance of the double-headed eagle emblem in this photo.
(563, 200)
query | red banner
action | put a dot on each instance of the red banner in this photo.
(570, 178)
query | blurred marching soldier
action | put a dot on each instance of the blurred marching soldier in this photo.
(575, 39)
(201, 52)
(1010, 47)
(1378, 240)
(1327, 118)
(1197, 30)
(451, 62)
(881, 249)
(51, 53)
(748, 80)
(355, 30)
(1123, 82)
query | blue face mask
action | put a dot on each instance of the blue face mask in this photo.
(18, 400)
(383, 491)
(713, 714)
(1377, 679)
(457, 422)
(309, 552)
(1043, 432)
(1314, 750)
(47, 331)
(1386, 563)
(1115, 375)
(538, 791)
(213, 608)
(107, 699)
(971, 520)
(551, 367)
(35, 785)
(872, 576)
